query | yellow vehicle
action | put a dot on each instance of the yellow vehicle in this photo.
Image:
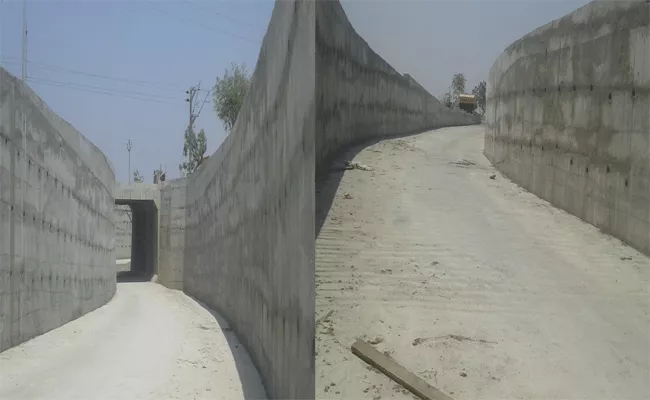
(467, 102)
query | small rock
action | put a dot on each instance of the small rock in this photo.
(463, 374)
(347, 196)
(493, 176)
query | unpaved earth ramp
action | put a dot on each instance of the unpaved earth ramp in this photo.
(472, 283)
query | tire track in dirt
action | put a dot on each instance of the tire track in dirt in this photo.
(427, 248)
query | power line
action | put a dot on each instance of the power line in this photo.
(118, 91)
(90, 74)
(193, 4)
(208, 27)
(97, 90)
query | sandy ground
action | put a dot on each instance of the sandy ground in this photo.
(477, 286)
(149, 342)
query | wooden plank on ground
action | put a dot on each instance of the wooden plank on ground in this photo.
(396, 372)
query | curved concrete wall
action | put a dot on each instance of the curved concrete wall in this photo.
(245, 242)
(360, 96)
(249, 248)
(568, 115)
(56, 219)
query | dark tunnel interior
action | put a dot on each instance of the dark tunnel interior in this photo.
(144, 241)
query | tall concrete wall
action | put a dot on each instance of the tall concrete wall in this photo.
(568, 116)
(250, 211)
(360, 96)
(56, 219)
(238, 233)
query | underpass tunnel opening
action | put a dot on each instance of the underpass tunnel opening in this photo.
(136, 240)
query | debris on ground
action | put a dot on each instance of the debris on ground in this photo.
(356, 165)
(400, 375)
(463, 374)
(493, 176)
(347, 196)
(376, 340)
(462, 338)
(463, 162)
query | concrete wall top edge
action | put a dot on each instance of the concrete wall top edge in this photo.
(89, 154)
(587, 20)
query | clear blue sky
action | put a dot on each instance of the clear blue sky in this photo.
(155, 50)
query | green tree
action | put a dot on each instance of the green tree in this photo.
(137, 177)
(450, 99)
(458, 84)
(446, 100)
(479, 91)
(228, 94)
(193, 150)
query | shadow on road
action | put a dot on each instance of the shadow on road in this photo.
(248, 373)
(130, 276)
(330, 173)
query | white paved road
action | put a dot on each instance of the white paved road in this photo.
(149, 343)
(476, 285)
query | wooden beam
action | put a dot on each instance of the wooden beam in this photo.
(396, 372)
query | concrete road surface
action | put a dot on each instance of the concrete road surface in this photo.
(149, 342)
(477, 286)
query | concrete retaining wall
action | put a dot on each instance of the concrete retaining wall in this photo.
(250, 212)
(249, 220)
(171, 257)
(568, 116)
(56, 219)
(360, 96)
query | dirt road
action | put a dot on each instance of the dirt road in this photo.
(474, 284)
(148, 342)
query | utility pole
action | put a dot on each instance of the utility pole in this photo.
(191, 99)
(24, 63)
(190, 148)
(23, 76)
(129, 145)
